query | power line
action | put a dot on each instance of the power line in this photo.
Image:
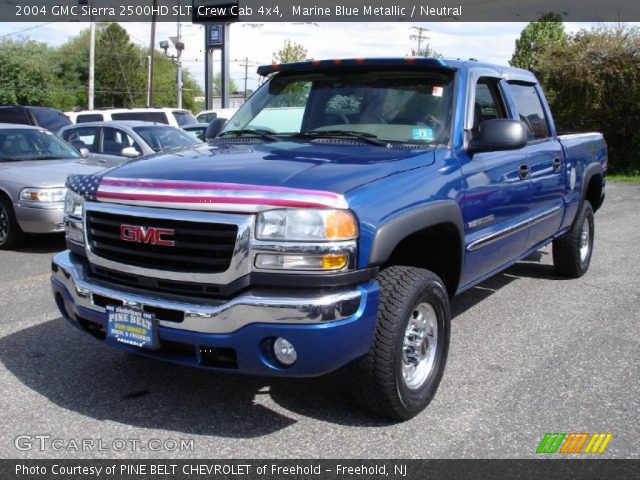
(25, 30)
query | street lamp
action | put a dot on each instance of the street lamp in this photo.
(179, 46)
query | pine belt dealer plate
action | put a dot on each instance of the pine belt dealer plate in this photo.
(132, 326)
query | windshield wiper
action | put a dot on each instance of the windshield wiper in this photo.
(252, 131)
(369, 138)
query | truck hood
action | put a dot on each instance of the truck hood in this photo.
(318, 166)
(46, 173)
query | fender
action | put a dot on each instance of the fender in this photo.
(591, 170)
(391, 233)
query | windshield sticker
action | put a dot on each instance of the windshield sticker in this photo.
(425, 134)
(437, 91)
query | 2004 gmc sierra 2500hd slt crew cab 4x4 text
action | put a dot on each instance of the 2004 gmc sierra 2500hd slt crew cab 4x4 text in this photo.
(330, 223)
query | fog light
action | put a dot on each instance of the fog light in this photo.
(284, 351)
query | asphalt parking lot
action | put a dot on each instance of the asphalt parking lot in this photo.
(531, 353)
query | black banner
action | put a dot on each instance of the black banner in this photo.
(316, 11)
(320, 469)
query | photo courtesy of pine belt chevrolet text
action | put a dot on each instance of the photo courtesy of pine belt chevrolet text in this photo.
(329, 223)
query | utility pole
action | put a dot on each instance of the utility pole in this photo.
(151, 56)
(419, 37)
(179, 65)
(246, 74)
(92, 64)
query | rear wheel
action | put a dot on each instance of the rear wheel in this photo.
(401, 373)
(572, 251)
(10, 233)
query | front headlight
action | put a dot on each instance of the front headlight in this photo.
(42, 195)
(73, 204)
(306, 225)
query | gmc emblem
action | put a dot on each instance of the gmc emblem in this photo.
(151, 235)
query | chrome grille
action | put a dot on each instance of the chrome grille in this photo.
(199, 247)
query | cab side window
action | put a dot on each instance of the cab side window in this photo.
(114, 140)
(489, 103)
(530, 109)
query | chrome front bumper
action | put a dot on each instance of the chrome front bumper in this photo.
(213, 316)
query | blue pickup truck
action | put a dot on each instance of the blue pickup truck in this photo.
(330, 223)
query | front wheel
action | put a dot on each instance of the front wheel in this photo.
(10, 233)
(401, 373)
(572, 251)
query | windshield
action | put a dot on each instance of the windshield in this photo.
(166, 138)
(394, 106)
(29, 144)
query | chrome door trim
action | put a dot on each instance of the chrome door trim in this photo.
(495, 236)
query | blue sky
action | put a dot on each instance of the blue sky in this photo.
(492, 42)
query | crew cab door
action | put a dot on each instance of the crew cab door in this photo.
(497, 190)
(545, 160)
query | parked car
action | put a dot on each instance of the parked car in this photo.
(45, 117)
(198, 130)
(115, 143)
(170, 116)
(285, 251)
(206, 116)
(34, 165)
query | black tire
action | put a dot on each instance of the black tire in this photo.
(10, 233)
(376, 380)
(569, 258)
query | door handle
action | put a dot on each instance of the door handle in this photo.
(523, 171)
(557, 163)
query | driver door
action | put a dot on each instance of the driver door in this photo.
(497, 194)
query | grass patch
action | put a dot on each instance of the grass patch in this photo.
(630, 178)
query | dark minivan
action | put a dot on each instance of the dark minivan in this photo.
(45, 117)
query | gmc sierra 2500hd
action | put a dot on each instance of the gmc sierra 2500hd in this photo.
(330, 223)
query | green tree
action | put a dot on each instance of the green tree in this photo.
(217, 85)
(26, 74)
(547, 31)
(120, 68)
(592, 82)
(291, 52)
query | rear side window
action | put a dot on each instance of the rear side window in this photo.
(158, 117)
(50, 118)
(184, 118)
(89, 117)
(530, 109)
(14, 115)
(82, 137)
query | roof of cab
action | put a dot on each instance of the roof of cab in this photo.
(429, 62)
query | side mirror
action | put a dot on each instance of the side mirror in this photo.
(215, 127)
(499, 134)
(130, 152)
(84, 152)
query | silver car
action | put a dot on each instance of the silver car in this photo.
(114, 143)
(34, 165)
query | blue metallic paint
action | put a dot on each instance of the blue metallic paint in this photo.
(383, 183)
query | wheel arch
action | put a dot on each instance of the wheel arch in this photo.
(592, 185)
(429, 236)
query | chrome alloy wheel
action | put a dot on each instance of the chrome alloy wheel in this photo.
(4, 223)
(419, 347)
(585, 239)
